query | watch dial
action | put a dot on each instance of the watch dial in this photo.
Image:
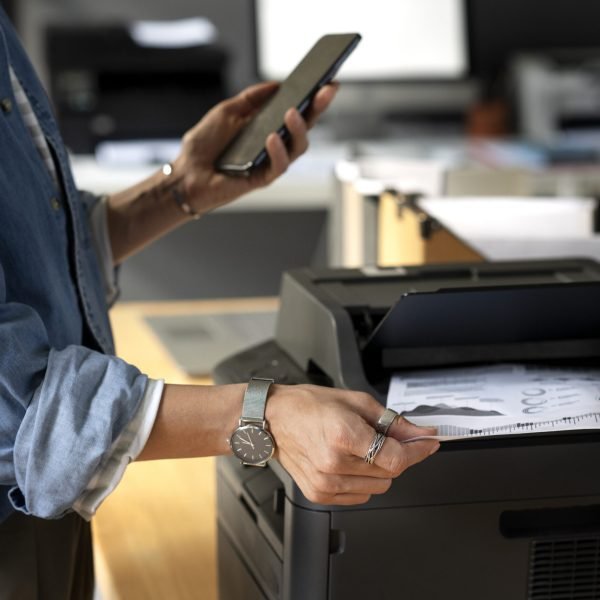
(252, 444)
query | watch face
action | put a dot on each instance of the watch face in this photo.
(252, 444)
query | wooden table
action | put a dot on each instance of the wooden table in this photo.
(155, 536)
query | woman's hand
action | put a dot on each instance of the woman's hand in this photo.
(148, 210)
(323, 434)
(205, 188)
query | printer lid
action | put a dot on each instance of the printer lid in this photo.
(461, 325)
(455, 314)
(380, 288)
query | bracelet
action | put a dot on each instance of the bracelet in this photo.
(181, 202)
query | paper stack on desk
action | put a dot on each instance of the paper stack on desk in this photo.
(502, 399)
(508, 228)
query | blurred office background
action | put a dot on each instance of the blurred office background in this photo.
(442, 72)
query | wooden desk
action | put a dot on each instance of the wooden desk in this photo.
(155, 536)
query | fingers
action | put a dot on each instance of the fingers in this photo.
(326, 488)
(323, 98)
(349, 480)
(253, 98)
(395, 457)
(323, 436)
(279, 159)
(280, 155)
(402, 429)
(296, 125)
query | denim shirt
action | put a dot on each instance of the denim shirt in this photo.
(64, 397)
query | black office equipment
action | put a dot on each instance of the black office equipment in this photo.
(105, 86)
(501, 518)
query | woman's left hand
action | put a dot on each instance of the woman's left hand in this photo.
(202, 185)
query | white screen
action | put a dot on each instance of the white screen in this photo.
(401, 39)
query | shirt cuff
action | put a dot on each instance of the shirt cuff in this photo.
(99, 228)
(124, 450)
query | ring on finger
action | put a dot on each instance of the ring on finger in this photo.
(385, 421)
(374, 448)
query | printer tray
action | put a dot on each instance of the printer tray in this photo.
(504, 323)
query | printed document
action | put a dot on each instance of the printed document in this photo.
(502, 399)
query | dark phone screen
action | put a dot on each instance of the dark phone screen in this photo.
(317, 68)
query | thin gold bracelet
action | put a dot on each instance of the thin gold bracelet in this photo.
(181, 202)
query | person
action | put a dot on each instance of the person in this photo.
(72, 414)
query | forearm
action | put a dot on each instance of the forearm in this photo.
(194, 421)
(321, 436)
(143, 213)
(147, 211)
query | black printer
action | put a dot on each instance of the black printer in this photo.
(502, 518)
(107, 87)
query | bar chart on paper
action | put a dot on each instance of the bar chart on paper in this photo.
(499, 400)
(585, 421)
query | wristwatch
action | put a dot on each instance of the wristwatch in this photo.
(251, 442)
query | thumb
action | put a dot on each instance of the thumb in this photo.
(403, 429)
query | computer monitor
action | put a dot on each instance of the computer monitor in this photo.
(403, 40)
(411, 64)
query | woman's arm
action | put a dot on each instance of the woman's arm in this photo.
(148, 210)
(321, 436)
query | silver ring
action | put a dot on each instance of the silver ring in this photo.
(385, 420)
(374, 448)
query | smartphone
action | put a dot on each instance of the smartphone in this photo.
(247, 150)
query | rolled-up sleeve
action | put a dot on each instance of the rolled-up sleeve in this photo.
(61, 411)
(125, 449)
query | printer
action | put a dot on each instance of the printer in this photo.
(109, 84)
(498, 518)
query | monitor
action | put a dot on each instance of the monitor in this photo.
(402, 40)
(410, 68)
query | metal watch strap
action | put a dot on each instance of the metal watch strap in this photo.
(255, 400)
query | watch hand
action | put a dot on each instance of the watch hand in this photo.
(249, 440)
